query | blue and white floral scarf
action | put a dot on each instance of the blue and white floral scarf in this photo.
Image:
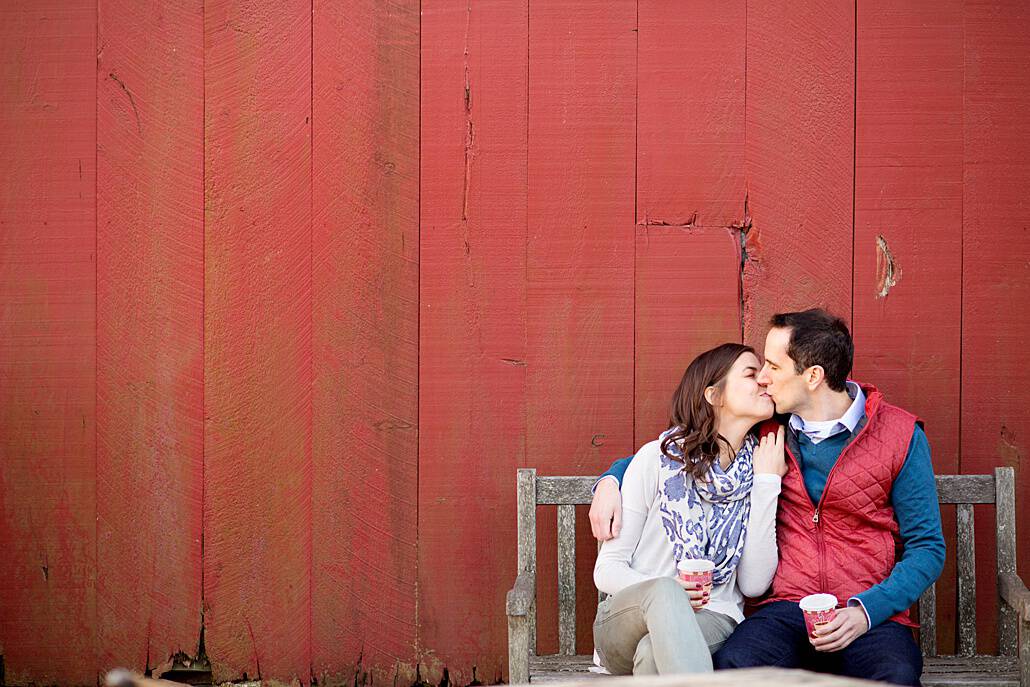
(717, 536)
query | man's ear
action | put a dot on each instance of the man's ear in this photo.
(814, 376)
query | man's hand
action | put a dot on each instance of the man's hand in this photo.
(849, 625)
(606, 510)
(768, 457)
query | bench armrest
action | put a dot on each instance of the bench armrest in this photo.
(522, 595)
(1013, 591)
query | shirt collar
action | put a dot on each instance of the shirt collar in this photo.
(848, 421)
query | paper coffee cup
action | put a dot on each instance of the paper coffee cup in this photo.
(818, 609)
(697, 573)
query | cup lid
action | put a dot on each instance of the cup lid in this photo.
(818, 602)
(695, 565)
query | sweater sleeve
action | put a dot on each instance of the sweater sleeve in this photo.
(612, 571)
(760, 556)
(616, 471)
(914, 498)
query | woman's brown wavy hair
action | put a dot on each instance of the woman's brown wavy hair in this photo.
(692, 418)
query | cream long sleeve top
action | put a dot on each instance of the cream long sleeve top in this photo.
(642, 550)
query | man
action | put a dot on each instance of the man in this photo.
(858, 514)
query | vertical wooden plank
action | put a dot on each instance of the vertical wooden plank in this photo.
(579, 268)
(47, 341)
(995, 272)
(257, 324)
(690, 105)
(690, 173)
(567, 580)
(365, 327)
(799, 159)
(908, 176)
(1005, 524)
(928, 621)
(966, 556)
(150, 289)
(687, 301)
(472, 334)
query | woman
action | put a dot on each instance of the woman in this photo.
(705, 489)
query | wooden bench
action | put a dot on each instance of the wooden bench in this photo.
(1010, 668)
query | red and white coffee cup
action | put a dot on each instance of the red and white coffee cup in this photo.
(818, 610)
(697, 573)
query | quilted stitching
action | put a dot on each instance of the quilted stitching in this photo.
(858, 526)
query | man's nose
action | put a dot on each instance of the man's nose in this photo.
(763, 378)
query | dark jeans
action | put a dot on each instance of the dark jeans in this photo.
(775, 636)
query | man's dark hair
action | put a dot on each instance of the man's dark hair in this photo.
(818, 338)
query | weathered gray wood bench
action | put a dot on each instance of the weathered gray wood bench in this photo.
(1010, 668)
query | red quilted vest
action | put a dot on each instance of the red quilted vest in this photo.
(848, 542)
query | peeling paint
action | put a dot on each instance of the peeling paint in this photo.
(741, 231)
(1008, 448)
(390, 425)
(692, 221)
(132, 100)
(470, 129)
(887, 271)
(257, 657)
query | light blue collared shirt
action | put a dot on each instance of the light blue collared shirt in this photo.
(824, 429)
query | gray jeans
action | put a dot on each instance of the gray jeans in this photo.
(649, 628)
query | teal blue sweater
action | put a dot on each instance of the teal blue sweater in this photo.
(914, 499)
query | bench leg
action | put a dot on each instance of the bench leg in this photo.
(518, 649)
(1023, 652)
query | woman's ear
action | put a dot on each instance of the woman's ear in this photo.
(710, 395)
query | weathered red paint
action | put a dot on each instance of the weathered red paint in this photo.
(365, 114)
(799, 159)
(686, 302)
(690, 194)
(472, 329)
(47, 342)
(579, 270)
(908, 173)
(150, 336)
(995, 377)
(690, 121)
(257, 345)
(441, 241)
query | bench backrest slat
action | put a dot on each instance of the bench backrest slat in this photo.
(567, 580)
(966, 563)
(961, 490)
(1005, 514)
(552, 491)
(965, 488)
(928, 621)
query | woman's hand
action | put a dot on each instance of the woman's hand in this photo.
(768, 457)
(698, 597)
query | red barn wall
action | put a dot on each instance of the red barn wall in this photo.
(290, 290)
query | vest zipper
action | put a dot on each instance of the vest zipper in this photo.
(815, 519)
(818, 507)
